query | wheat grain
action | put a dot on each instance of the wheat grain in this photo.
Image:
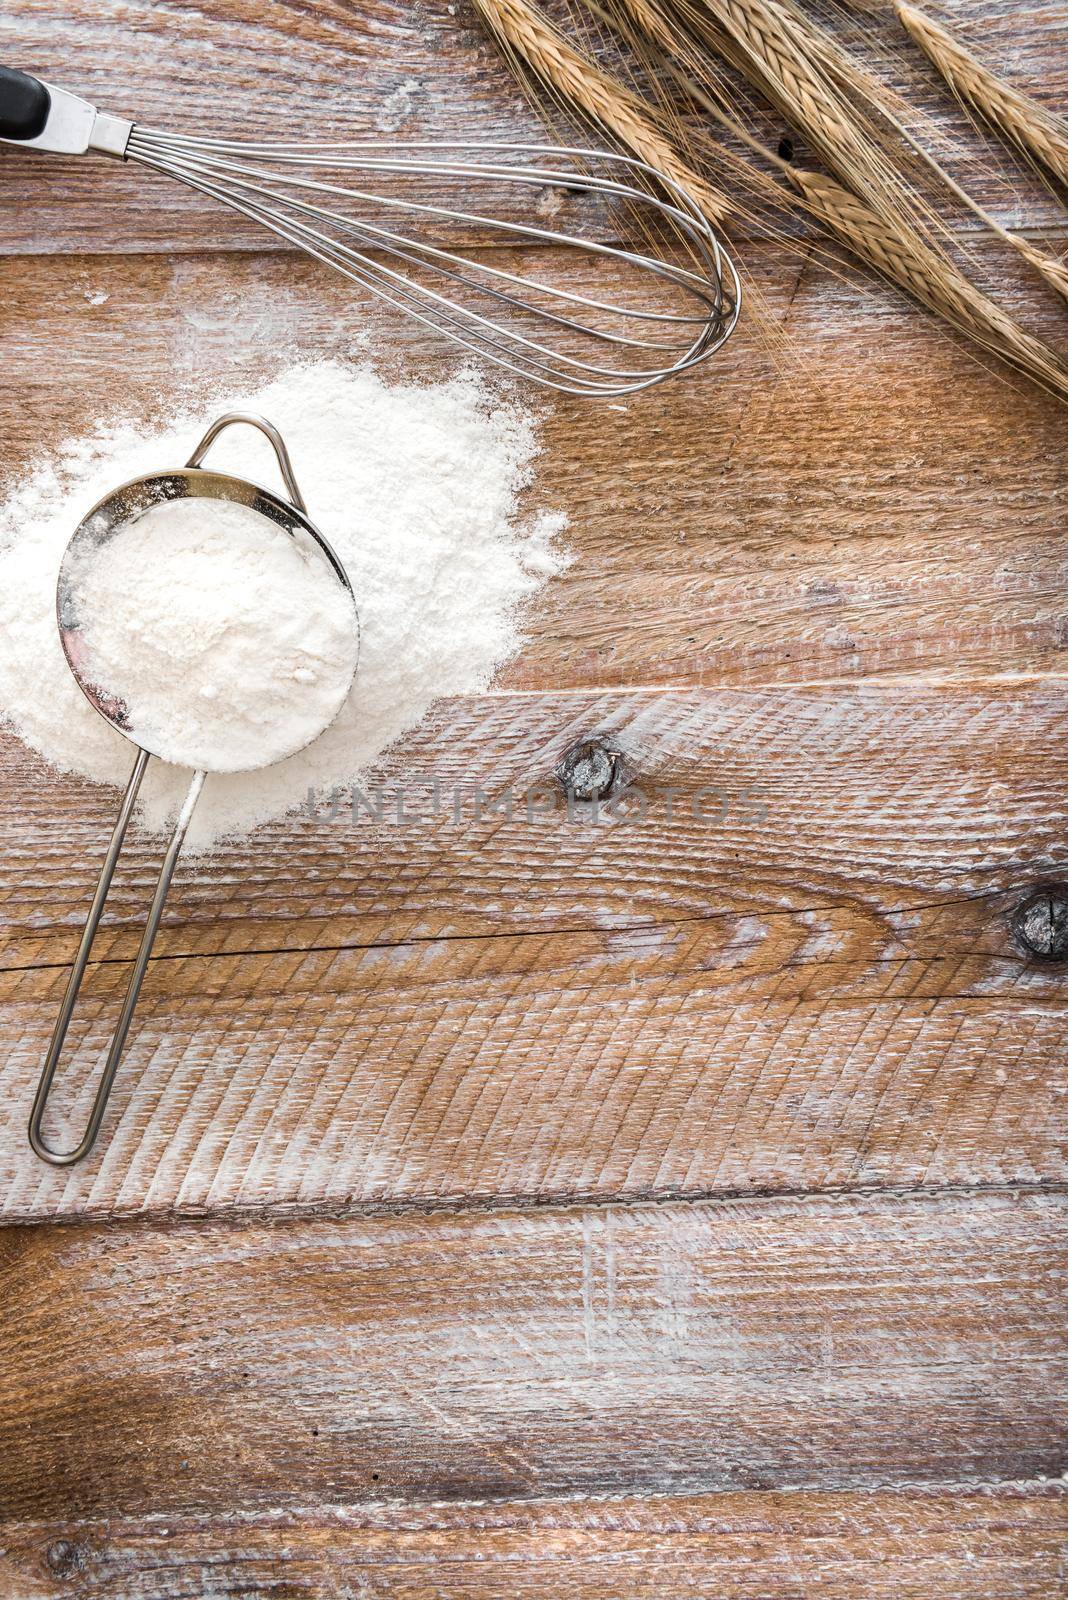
(848, 74)
(587, 88)
(1018, 118)
(929, 277)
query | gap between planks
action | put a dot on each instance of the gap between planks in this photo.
(289, 1214)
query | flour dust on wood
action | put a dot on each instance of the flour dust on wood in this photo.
(417, 490)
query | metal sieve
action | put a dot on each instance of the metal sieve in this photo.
(100, 525)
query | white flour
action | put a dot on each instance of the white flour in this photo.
(229, 642)
(416, 490)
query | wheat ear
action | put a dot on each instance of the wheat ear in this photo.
(889, 242)
(1018, 118)
(526, 33)
(928, 276)
(779, 53)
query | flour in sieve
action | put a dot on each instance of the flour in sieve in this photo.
(414, 486)
(229, 641)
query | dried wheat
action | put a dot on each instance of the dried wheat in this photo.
(1018, 118)
(870, 212)
(891, 110)
(915, 261)
(526, 32)
(929, 277)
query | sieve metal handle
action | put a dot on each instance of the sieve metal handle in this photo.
(67, 1158)
(271, 433)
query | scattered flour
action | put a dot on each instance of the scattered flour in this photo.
(415, 488)
(396, 108)
(227, 641)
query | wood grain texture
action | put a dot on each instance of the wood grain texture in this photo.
(1003, 1544)
(379, 70)
(813, 986)
(867, 501)
(822, 1344)
(887, 798)
(814, 983)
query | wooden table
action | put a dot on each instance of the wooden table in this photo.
(663, 1208)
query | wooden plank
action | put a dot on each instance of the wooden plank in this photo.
(869, 502)
(816, 985)
(826, 1345)
(874, 801)
(1004, 1544)
(540, 1087)
(385, 70)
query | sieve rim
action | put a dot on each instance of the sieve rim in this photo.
(132, 499)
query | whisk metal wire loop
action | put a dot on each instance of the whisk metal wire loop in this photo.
(234, 172)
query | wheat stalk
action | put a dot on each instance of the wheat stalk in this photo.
(879, 223)
(891, 243)
(928, 276)
(526, 33)
(1018, 118)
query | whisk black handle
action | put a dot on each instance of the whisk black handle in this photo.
(24, 105)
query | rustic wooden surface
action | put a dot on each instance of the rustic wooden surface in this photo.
(785, 961)
(677, 1399)
(294, 1337)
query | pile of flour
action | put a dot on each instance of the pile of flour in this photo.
(416, 489)
(228, 641)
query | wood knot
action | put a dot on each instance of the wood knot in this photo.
(588, 770)
(1040, 923)
(65, 1557)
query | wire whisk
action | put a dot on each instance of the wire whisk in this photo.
(664, 316)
